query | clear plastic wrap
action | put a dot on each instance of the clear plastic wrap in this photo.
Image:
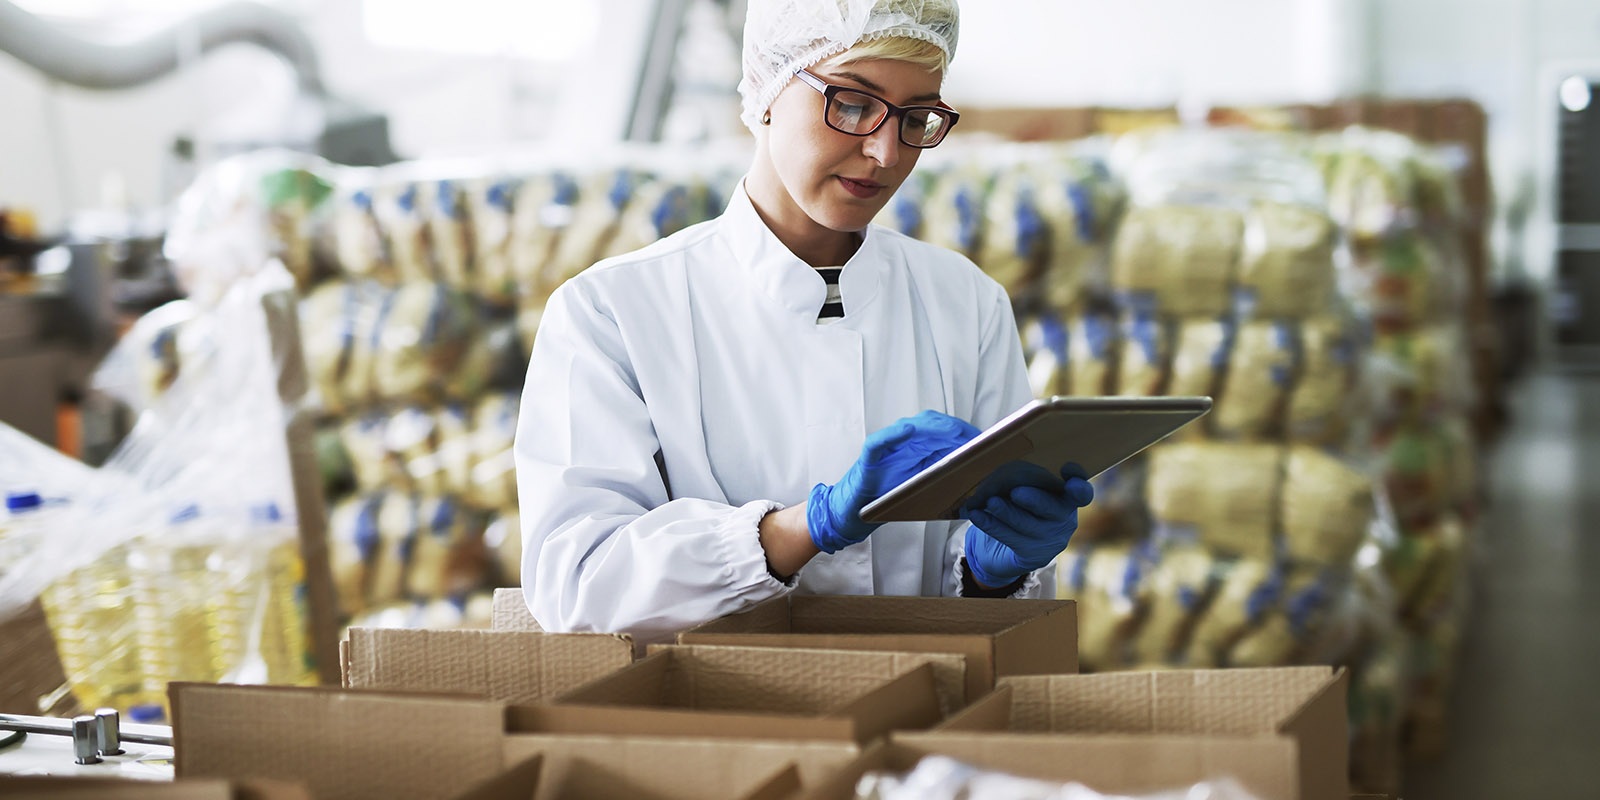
(391, 546)
(243, 212)
(945, 778)
(1224, 496)
(176, 560)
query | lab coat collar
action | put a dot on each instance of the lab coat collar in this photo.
(792, 283)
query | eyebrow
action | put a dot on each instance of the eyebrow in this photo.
(921, 98)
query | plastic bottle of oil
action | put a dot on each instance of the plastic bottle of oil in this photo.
(168, 580)
(90, 612)
(285, 641)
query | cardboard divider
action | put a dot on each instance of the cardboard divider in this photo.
(499, 665)
(510, 613)
(684, 768)
(1281, 733)
(996, 637)
(754, 693)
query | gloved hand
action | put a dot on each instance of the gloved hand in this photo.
(890, 456)
(1012, 535)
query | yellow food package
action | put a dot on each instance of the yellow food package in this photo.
(1179, 587)
(402, 211)
(1327, 507)
(353, 544)
(494, 480)
(448, 559)
(451, 232)
(1286, 266)
(411, 435)
(399, 521)
(453, 448)
(1262, 372)
(595, 221)
(1223, 495)
(952, 216)
(359, 241)
(424, 331)
(543, 209)
(1249, 588)
(1324, 398)
(1146, 360)
(365, 441)
(1012, 249)
(1200, 358)
(1177, 260)
(1093, 349)
(1045, 339)
(494, 276)
(1109, 603)
(327, 325)
(1067, 206)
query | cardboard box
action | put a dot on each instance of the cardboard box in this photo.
(57, 788)
(683, 768)
(30, 672)
(1282, 733)
(510, 612)
(586, 780)
(499, 665)
(750, 693)
(997, 637)
(363, 744)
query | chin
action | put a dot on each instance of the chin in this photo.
(845, 218)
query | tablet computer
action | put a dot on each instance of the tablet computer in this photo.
(1031, 447)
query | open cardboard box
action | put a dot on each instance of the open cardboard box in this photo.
(1281, 733)
(751, 693)
(996, 637)
(356, 745)
(499, 665)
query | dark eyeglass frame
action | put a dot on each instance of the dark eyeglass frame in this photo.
(830, 91)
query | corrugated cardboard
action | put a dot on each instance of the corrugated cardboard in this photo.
(749, 693)
(1282, 733)
(586, 780)
(511, 612)
(31, 671)
(518, 783)
(683, 768)
(340, 744)
(499, 665)
(60, 788)
(997, 637)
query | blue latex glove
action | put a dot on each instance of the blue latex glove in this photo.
(890, 456)
(1014, 534)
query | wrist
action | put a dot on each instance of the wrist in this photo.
(786, 538)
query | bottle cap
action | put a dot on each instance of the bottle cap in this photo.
(23, 501)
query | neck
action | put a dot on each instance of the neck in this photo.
(809, 241)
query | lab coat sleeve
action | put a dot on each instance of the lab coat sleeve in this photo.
(1002, 388)
(604, 547)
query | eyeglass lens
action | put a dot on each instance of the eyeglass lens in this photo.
(856, 113)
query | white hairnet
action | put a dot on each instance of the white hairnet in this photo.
(782, 36)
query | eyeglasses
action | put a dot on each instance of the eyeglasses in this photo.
(858, 113)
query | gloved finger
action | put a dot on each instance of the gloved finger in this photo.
(1080, 492)
(991, 526)
(887, 440)
(1030, 525)
(1042, 504)
(1073, 469)
(944, 425)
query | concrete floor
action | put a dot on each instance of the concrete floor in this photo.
(1526, 712)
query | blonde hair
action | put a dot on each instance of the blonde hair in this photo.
(922, 53)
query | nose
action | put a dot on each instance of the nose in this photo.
(883, 144)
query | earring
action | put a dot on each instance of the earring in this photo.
(766, 119)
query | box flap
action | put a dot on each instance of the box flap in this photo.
(930, 615)
(1126, 764)
(1231, 701)
(1322, 726)
(340, 744)
(500, 665)
(518, 783)
(682, 768)
(661, 721)
(509, 612)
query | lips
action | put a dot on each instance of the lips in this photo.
(860, 188)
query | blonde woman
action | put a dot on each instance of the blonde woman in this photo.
(704, 418)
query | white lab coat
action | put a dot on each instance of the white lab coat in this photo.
(679, 393)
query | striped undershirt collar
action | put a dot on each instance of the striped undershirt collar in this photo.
(833, 306)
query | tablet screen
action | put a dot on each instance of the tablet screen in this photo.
(1032, 447)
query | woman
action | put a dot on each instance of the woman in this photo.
(691, 435)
